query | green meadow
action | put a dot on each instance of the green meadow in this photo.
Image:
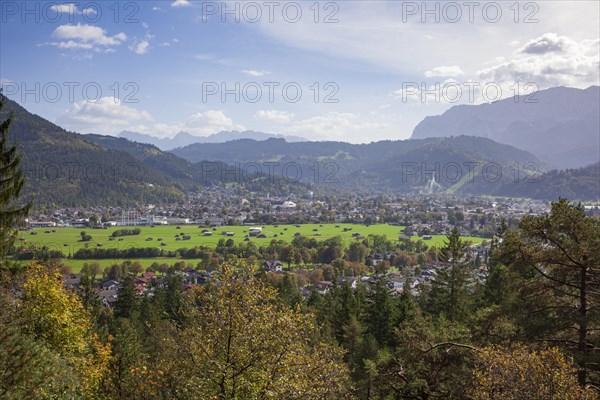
(68, 240)
(77, 265)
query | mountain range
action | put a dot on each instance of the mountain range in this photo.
(460, 164)
(69, 169)
(184, 139)
(559, 125)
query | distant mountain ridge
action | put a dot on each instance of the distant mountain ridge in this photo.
(401, 165)
(184, 139)
(561, 125)
(579, 184)
(69, 169)
(62, 168)
(358, 155)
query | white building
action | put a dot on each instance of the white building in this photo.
(41, 224)
(288, 204)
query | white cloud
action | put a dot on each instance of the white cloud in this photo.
(198, 124)
(549, 60)
(547, 43)
(167, 44)
(67, 8)
(376, 34)
(546, 61)
(333, 125)
(70, 44)
(89, 11)
(72, 9)
(85, 37)
(207, 122)
(108, 115)
(140, 47)
(180, 3)
(445, 71)
(255, 73)
(274, 116)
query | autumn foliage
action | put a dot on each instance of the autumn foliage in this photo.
(518, 373)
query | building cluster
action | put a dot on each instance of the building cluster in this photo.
(424, 214)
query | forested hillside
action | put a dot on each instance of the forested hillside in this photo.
(68, 169)
(62, 168)
(580, 183)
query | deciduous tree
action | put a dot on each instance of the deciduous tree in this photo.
(56, 317)
(243, 342)
(518, 373)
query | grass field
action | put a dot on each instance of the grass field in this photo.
(76, 265)
(68, 240)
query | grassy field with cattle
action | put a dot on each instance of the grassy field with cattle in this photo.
(172, 238)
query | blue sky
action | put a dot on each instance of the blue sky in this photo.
(161, 66)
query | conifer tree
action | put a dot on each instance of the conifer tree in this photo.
(560, 254)
(450, 291)
(11, 184)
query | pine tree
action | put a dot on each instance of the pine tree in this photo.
(127, 300)
(11, 184)
(560, 254)
(450, 291)
(288, 290)
(172, 298)
(342, 306)
(381, 315)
